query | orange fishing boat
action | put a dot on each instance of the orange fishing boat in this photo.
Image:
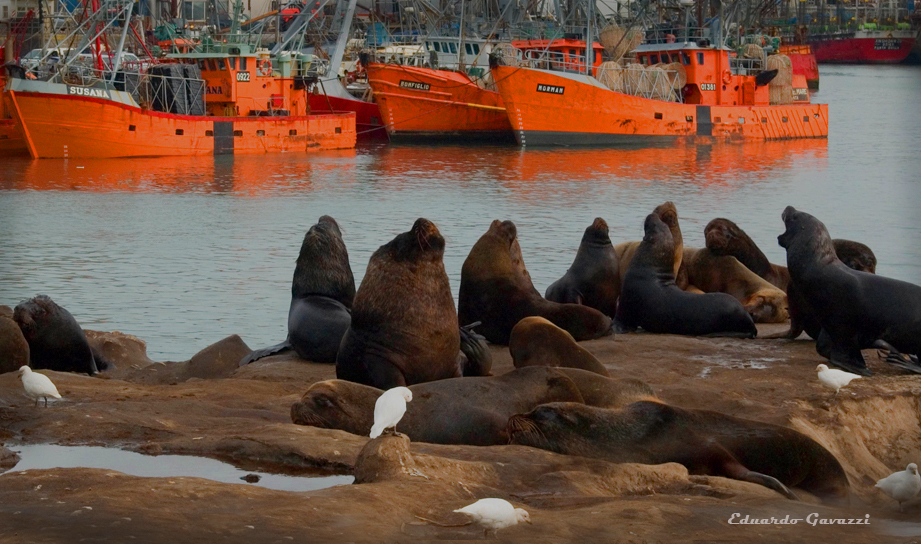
(421, 102)
(227, 97)
(11, 142)
(719, 97)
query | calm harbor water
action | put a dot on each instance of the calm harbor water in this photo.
(183, 252)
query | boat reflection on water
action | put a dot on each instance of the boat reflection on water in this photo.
(525, 174)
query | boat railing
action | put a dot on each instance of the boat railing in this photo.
(551, 60)
(652, 82)
(677, 34)
(260, 106)
(746, 67)
(168, 93)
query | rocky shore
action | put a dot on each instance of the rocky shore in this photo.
(207, 406)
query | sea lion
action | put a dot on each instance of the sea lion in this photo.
(404, 327)
(668, 213)
(705, 442)
(14, 350)
(496, 289)
(726, 238)
(322, 291)
(56, 341)
(725, 274)
(856, 310)
(534, 341)
(597, 390)
(594, 277)
(650, 299)
(471, 411)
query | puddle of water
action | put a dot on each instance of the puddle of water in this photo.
(46, 456)
(758, 363)
(900, 528)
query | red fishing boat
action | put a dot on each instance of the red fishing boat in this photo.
(717, 97)
(804, 63)
(866, 45)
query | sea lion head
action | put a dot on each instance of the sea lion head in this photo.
(805, 236)
(597, 233)
(29, 313)
(323, 264)
(556, 426)
(423, 242)
(668, 213)
(723, 237)
(658, 246)
(337, 404)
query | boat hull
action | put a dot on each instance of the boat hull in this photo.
(421, 104)
(367, 114)
(582, 111)
(863, 47)
(11, 142)
(803, 62)
(65, 126)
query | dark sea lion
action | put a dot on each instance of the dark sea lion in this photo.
(537, 342)
(404, 326)
(856, 310)
(56, 341)
(705, 442)
(471, 411)
(726, 238)
(321, 297)
(725, 274)
(594, 277)
(14, 349)
(496, 289)
(597, 390)
(650, 299)
(668, 213)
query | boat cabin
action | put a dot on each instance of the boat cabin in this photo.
(713, 76)
(241, 80)
(567, 55)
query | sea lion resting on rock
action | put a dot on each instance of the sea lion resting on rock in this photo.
(625, 251)
(856, 310)
(471, 411)
(725, 274)
(404, 326)
(726, 238)
(537, 342)
(705, 442)
(321, 297)
(594, 277)
(56, 341)
(651, 300)
(497, 290)
(14, 350)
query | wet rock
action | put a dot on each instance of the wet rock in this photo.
(219, 360)
(14, 349)
(8, 459)
(251, 478)
(387, 457)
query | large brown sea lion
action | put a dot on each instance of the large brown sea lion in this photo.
(650, 299)
(726, 238)
(537, 342)
(594, 277)
(470, 411)
(625, 250)
(404, 326)
(705, 442)
(496, 289)
(856, 310)
(56, 341)
(322, 291)
(725, 274)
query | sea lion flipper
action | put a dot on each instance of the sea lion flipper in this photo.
(732, 468)
(265, 352)
(478, 357)
(896, 358)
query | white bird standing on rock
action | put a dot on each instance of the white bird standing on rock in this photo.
(495, 514)
(903, 485)
(833, 378)
(37, 385)
(389, 409)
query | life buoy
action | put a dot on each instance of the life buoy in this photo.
(264, 67)
(727, 77)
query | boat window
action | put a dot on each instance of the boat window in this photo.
(233, 63)
(453, 47)
(653, 59)
(665, 58)
(700, 58)
(220, 64)
(468, 48)
(242, 63)
(438, 47)
(476, 49)
(685, 59)
(643, 59)
(201, 64)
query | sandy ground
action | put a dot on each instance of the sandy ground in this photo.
(206, 406)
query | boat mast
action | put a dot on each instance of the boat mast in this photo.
(121, 45)
(460, 55)
(335, 60)
(589, 49)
